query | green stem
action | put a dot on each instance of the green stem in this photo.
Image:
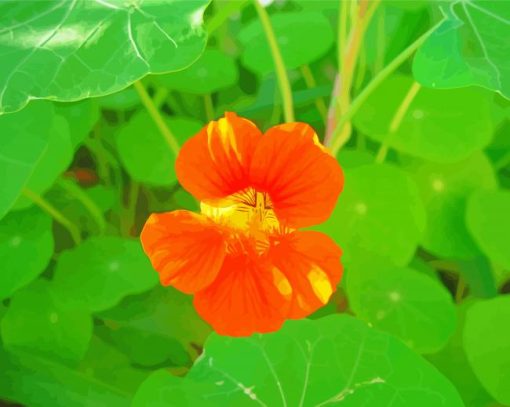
(397, 120)
(461, 288)
(157, 117)
(42, 203)
(307, 74)
(209, 108)
(281, 72)
(343, 11)
(160, 97)
(338, 142)
(130, 217)
(223, 13)
(75, 191)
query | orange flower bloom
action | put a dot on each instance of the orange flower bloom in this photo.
(243, 258)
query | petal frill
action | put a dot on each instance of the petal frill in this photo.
(186, 249)
(301, 177)
(215, 162)
(309, 267)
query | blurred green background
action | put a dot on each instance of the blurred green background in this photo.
(412, 97)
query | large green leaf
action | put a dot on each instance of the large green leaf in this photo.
(24, 139)
(144, 152)
(408, 304)
(71, 50)
(101, 271)
(487, 346)
(445, 189)
(26, 247)
(470, 47)
(292, 31)
(336, 359)
(37, 321)
(489, 221)
(439, 125)
(379, 211)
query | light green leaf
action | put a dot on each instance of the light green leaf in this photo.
(379, 211)
(76, 49)
(144, 152)
(81, 118)
(26, 247)
(489, 223)
(487, 346)
(440, 125)
(410, 305)
(292, 31)
(211, 72)
(37, 321)
(24, 140)
(470, 47)
(445, 189)
(336, 359)
(123, 100)
(97, 274)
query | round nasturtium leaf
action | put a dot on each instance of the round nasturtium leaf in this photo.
(470, 47)
(488, 221)
(81, 118)
(439, 125)
(379, 211)
(487, 346)
(26, 246)
(333, 360)
(38, 322)
(412, 306)
(445, 189)
(144, 151)
(76, 49)
(24, 140)
(97, 274)
(213, 71)
(293, 33)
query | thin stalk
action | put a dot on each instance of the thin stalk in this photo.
(160, 97)
(397, 120)
(281, 71)
(157, 117)
(337, 141)
(343, 11)
(223, 13)
(76, 192)
(460, 290)
(42, 203)
(307, 74)
(130, 218)
(209, 108)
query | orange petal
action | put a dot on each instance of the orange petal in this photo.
(186, 249)
(303, 180)
(214, 163)
(243, 299)
(309, 267)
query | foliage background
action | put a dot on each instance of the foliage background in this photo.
(422, 316)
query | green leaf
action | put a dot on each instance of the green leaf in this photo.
(445, 189)
(26, 247)
(24, 140)
(97, 274)
(123, 100)
(489, 223)
(211, 72)
(379, 211)
(440, 125)
(336, 359)
(408, 304)
(37, 321)
(157, 328)
(73, 50)
(144, 152)
(81, 118)
(470, 47)
(487, 347)
(292, 31)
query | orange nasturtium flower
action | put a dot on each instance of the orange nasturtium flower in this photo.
(243, 257)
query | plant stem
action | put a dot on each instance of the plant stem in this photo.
(209, 108)
(130, 217)
(397, 120)
(281, 72)
(156, 116)
(337, 140)
(461, 288)
(75, 191)
(42, 203)
(223, 13)
(343, 11)
(307, 74)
